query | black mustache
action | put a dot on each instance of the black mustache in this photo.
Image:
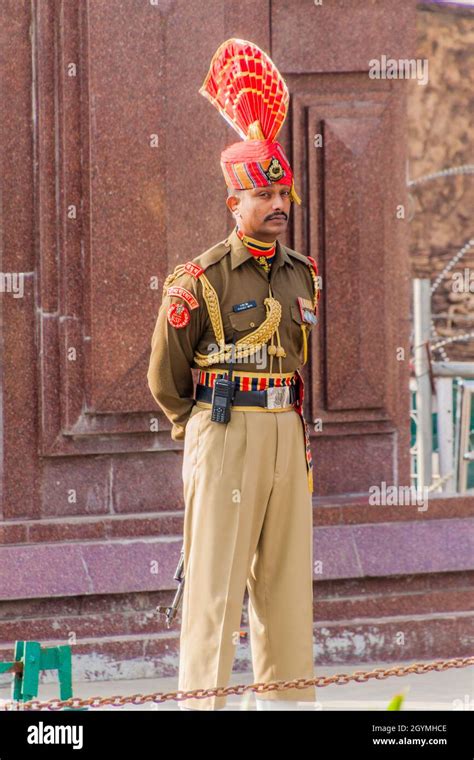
(273, 216)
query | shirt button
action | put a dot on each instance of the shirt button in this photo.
(252, 324)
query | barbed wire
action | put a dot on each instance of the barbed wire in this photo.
(452, 263)
(452, 171)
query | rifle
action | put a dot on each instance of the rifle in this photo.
(170, 612)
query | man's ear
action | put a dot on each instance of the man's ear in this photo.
(232, 203)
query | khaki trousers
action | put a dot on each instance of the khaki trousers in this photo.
(248, 522)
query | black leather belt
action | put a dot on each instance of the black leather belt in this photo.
(244, 398)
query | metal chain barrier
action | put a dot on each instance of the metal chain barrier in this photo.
(339, 679)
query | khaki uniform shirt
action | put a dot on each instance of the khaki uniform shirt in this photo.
(237, 280)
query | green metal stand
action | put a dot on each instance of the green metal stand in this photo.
(30, 658)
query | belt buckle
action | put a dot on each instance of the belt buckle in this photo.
(278, 397)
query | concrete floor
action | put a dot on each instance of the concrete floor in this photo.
(449, 690)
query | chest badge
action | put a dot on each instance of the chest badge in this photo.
(178, 315)
(307, 312)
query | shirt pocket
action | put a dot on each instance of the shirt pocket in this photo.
(297, 322)
(246, 321)
(296, 314)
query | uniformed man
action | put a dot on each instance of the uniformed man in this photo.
(241, 312)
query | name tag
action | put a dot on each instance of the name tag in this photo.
(244, 305)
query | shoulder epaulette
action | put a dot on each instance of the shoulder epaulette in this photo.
(194, 269)
(190, 268)
(313, 264)
(313, 268)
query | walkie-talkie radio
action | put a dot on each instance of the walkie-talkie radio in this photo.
(223, 395)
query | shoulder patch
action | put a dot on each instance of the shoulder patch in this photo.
(174, 279)
(193, 269)
(185, 294)
(178, 315)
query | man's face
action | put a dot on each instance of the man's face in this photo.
(262, 212)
